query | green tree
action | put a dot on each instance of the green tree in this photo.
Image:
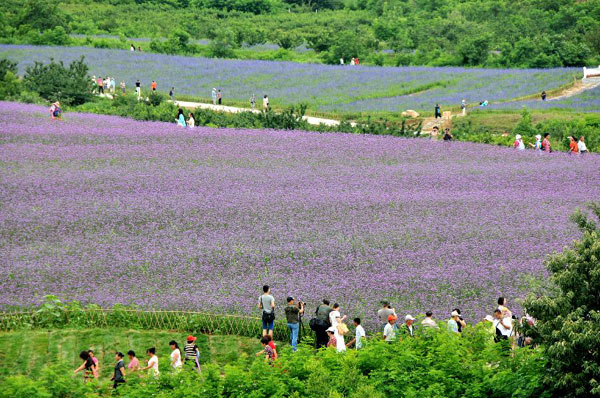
(223, 44)
(474, 50)
(42, 15)
(568, 321)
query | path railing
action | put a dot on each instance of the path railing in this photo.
(589, 73)
(181, 321)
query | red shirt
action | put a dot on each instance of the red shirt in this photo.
(332, 342)
(153, 84)
(573, 147)
(546, 145)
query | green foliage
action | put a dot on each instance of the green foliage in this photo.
(70, 85)
(525, 126)
(22, 387)
(10, 86)
(568, 322)
(41, 15)
(223, 44)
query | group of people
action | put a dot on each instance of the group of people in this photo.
(353, 61)
(330, 327)
(132, 48)
(106, 85)
(181, 122)
(189, 357)
(576, 146)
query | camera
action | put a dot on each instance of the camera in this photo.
(301, 304)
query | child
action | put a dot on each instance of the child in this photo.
(267, 351)
(55, 111)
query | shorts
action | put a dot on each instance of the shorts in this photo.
(268, 326)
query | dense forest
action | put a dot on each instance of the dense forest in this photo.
(492, 33)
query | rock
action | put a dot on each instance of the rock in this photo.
(410, 113)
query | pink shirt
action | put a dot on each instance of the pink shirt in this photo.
(134, 363)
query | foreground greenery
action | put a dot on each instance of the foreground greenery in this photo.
(503, 33)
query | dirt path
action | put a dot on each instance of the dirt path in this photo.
(232, 109)
(577, 88)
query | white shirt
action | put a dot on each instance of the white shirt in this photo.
(360, 334)
(333, 315)
(581, 146)
(505, 332)
(389, 332)
(265, 101)
(191, 122)
(153, 363)
(178, 362)
(521, 146)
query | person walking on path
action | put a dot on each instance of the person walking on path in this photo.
(518, 144)
(88, 366)
(172, 94)
(543, 95)
(463, 107)
(546, 143)
(138, 88)
(176, 362)
(428, 321)
(389, 331)
(581, 145)
(119, 372)
(213, 95)
(385, 312)
(322, 317)
(359, 335)
(437, 110)
(266, 102)
(292, 315)
(134, 363)
(219, 97)
(153, 85)
(252, 101)
(266, 303)
(180, 118)
(335, 318)
(192, 352)
(152, 362)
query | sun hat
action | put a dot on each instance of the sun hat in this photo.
(331, 329)
(489, 318)
(409, 318)
(392, 317)
(454, 313)
(518, 136)
(191, 339)
(539, 137)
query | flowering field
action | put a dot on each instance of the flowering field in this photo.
(110, 210)
(587, 101)
(323, 87)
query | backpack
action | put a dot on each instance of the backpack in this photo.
(317, 324)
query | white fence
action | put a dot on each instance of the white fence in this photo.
(589, 73)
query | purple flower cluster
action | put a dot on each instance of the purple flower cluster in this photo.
(110, 210)
(323, 87)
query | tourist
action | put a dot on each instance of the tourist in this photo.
(134, 363)
(100, 85)
(407, 329)
(273, 346)
(132, 48)
(503, 327)
(94, 85)
(252, 101)
(518, 144)
(484, 103)
(538, 143)
(153, 85)
(213, 94)
(332, 339)
(385, 312)
(428, 321)
(438, 111)
(152, 362)
(546, 143)
(352, 62)
(139, 49)
(192, 352)
(335, 319)
(581, 145)
(266, 303)
(463, 107)
(219, 97)
(176, 362)
(55, 111)
(447, 135)
(138, 88)
(267, 351)
(95, 360)
(503, 308)
(191, 122)
(460, 321)
(265, 102)
(543, 95)
(356, 61)
(453, 322)
(389, 331)
(292, 315)
(112, 85)
(322, 323)
(172, 94)
(119, 372)
(107, 84)
(88, 366)
(122, 85)
(180, 118)
(359, 335)
(573, 147)
(435, 131)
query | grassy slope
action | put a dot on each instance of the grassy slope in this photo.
(26, 352)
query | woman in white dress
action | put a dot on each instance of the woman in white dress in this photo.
(335, 318)
(176, 362)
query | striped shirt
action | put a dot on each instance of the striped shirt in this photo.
(190, 350)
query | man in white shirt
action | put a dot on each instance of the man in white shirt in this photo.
(389, 332)
(503, 326)
(359, 335)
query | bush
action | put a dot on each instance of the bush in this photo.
(55, 82)
(9, 82)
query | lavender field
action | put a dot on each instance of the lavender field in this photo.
(323, 87)
(109, 210)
